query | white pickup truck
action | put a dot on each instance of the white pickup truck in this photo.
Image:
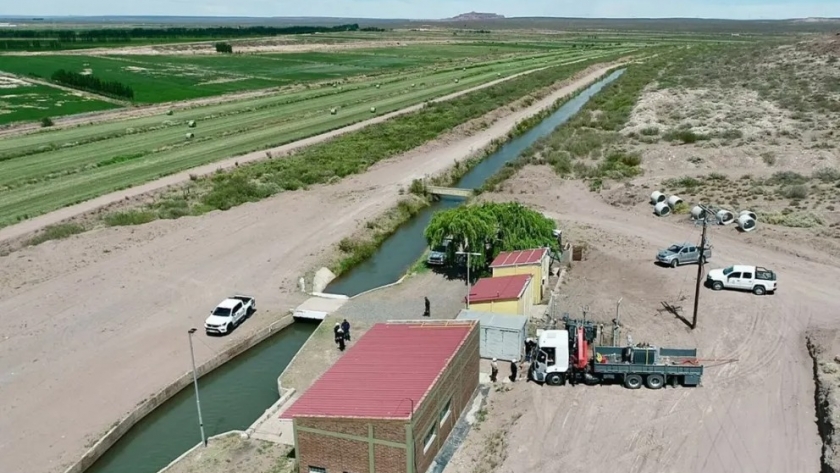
(229, 314)
(756, 279)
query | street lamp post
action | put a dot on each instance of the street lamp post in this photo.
(469, 282)
(195, 383)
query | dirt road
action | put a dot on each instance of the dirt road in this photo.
(28, 226)
(95, 323)
(755, 411)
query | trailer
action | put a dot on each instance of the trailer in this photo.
(564, 356)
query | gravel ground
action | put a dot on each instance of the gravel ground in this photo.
(230, 454)
(401, 302)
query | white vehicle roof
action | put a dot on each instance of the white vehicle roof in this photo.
(228, 303)
(742, 267)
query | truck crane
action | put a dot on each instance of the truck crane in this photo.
(568, 355)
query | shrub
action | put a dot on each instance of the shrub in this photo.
(769, 158)
(826, 174)
(130, 217)
(650, 131)
(224, 48)
(46, 122)
(57, 232)
(795, 192)
(787, 178)
(793, 219)
(685, 136)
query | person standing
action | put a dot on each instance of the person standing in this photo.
(428, 311)
(346, 327)
(335, 331)
(513, 370)
(339, 338)
(494, 370)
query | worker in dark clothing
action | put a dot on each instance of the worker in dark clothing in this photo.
(339, 338)
(345, 326)
(530, 344)
(335, 331)
(494, 370)
(428, 311)
(513, 370)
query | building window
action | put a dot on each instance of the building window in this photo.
(430, 438)
(447, 410)
(317, 469)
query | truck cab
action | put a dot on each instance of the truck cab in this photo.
(551, 360)
(439, 254)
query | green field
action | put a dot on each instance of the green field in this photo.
(25, 101)
(52, 169)
(158, 79)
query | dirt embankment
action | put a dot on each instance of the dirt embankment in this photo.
(824, 347)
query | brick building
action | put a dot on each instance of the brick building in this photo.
(390, 402)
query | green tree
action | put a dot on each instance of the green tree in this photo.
(490, 228)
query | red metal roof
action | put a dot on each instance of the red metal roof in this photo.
(503, 288)
(385, 374)
(514, 258)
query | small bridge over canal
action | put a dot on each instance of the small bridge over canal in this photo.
(450, 192)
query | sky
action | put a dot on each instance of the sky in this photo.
(434, 9)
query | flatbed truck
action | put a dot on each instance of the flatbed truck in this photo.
(564, 356)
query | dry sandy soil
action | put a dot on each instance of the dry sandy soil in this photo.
(232, 454)
(100, 315)
(755, 410)
(773, 151)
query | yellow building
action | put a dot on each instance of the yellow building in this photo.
(535, 262)
(503, 295)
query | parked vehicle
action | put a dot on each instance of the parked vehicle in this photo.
(683, 253)
(564, 356)
(229, 314)
(756, 279)
(438, 256)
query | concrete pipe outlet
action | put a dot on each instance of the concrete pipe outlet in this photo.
(746, 223)
(697, 213)
(674, 201)
(657, 197)
(725, 217)
(662, 209)
(749, 213)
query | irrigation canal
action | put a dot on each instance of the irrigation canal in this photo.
(237, 393)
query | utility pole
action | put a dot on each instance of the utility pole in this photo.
(700, 264)
(466, 252)
(195, 383)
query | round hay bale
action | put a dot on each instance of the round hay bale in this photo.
(372, 109)
(746, 223)
(697, 213)
(657, 197)
(750, 213)
(662, 209)
(674, 201)
(725, 217)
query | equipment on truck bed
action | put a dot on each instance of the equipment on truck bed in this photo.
(563, 356)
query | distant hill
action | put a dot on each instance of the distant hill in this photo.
(475, 16)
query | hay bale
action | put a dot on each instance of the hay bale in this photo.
(191, 123)
(456, 81)
(372, 109)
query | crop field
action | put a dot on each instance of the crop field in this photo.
(49, 170)
(157, 79)
(21, 100)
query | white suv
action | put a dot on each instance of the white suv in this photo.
(756, 279)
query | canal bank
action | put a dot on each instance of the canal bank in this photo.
(400, 251)
(155, 441)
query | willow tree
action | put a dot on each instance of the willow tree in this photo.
(489, 229)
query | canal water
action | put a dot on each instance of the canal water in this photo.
(407, 244)
(236, 394)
